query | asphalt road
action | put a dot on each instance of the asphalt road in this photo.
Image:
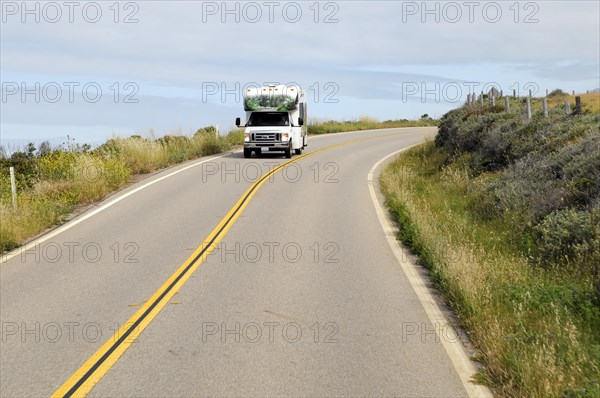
(302, 297)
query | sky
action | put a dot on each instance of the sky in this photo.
(95, 70)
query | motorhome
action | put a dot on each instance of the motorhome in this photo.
(275, 120)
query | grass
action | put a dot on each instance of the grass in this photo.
(536, 329)
(590, 102)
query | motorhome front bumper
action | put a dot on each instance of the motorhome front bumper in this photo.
(276, 146)
(268, 140)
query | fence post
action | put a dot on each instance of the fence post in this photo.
(545, 106)
(13, 187)
(493, 100)
(529, 93)
(578, 105)
(506, 104)
(567, 107)
(514, 93)
(528, 109)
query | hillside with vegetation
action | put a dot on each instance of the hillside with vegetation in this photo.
(505, 212)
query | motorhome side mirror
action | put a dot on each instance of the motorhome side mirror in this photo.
(237, 121)
(300, 121)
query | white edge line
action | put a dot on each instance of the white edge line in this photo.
(446, 334)
(5, 257)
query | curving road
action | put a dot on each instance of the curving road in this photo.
(303, 296)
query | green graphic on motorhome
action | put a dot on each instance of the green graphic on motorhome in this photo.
(278, 103)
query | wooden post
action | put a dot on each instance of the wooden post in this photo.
(545, 106)
(567, 107)
(13, 187)
(506, 104)
(528, 109)
(578, 105)
(493, 100)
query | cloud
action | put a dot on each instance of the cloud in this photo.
(177, 48)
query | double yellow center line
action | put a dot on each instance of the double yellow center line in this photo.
(92, 371)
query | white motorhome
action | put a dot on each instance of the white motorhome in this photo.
(275, 120)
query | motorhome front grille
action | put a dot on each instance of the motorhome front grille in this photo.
(266, 137)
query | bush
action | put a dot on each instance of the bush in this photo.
(557, 93)
(206, 131)
(570, 236)
(25, 167)
(544, 181)
(212, 145)
(235, 137)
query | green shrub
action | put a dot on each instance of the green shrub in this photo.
(213, 145)
(209, 131)
(24, 164)
(235, 137)
(548, 180)
(570, 236)
(557, 92)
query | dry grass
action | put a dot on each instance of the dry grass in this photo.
(590, 102)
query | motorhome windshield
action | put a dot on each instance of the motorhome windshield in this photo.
(259, 119)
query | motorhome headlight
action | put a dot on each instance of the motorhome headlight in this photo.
(246, 137)
(285, 137)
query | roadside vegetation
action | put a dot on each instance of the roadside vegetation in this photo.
(505, 213)
(52, 182)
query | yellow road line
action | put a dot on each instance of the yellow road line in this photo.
(92, 371)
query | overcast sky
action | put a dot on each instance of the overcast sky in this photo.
(97, 69)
